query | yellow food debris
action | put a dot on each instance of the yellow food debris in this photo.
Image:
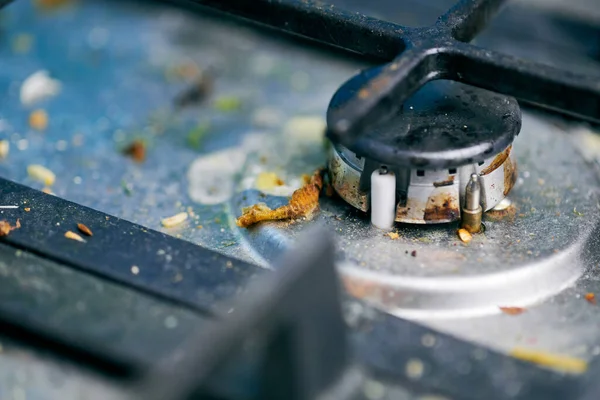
(555, 361)
(27, 209)
(303, 202)
(174, 220)
(73, 236)
(393, 235)
(38, 120)
(464, 235)
(41, 174)
(268, 180)
(4, 148)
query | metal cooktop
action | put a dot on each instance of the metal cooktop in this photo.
(143, 310)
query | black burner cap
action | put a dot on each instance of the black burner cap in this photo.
(444, 124)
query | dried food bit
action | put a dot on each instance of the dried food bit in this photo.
(512, 310)
(37, 87)
(6, 227)
(590, 297)
(228, 103)
(38, 120)
(136, 150)
(393, 235)
(303, 202)
(174, 220)
(551, 360)
(464, 235)
(73, 236)
(266, 181)
(577, 213)
(41, 174)
(200, 88)
(413, 253)
(4, 148)
(84, 229)
(47, 190)
(196, 135)
(27, 209)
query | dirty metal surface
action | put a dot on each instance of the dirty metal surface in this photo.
(116, 62)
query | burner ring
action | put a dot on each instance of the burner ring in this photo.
(444, 124)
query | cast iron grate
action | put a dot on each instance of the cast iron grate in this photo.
(418, 55)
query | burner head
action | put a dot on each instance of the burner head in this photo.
(444, 124)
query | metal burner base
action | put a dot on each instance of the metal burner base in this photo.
(529, 252)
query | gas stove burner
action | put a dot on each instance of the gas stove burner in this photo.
(415, 166)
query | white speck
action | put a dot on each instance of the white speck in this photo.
(135, 270)
(222, 230)
(37, 87)
(503, 204)
(577, 296)
(428, 340)
(526, 174)
(77, 180)
(229, 264)
(160, 252)
(22, 144)
(171, 322)
(414, 368)
(168, 258)
(97, 38)
(373, 390)
(61, 145)
(411, 107)
(58, 224)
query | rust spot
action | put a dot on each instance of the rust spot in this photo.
(497, 215)
(498, 161)
(510, 175)
(447, 182)
(441, 207)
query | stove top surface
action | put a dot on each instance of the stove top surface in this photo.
(121, 65)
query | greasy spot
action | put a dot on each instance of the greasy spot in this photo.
(497, 162)
(441, 207)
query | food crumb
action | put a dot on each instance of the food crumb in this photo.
(228, 103)
(6, 227)
(577, 213)
(541, 182)
(135, 269)
(199, 227)
(546, 359)
(136, 150)
(174, 220)
(84, 229)
(38, 86)
(464, 235)
(27, 209)
(196, 136)
(38, 120)
(393, 235)
(512, 310)
(73, 236)
(268, 180)
(47, 190)
(590, 297)
(41, 174)
(413, 253)
(4, 148)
